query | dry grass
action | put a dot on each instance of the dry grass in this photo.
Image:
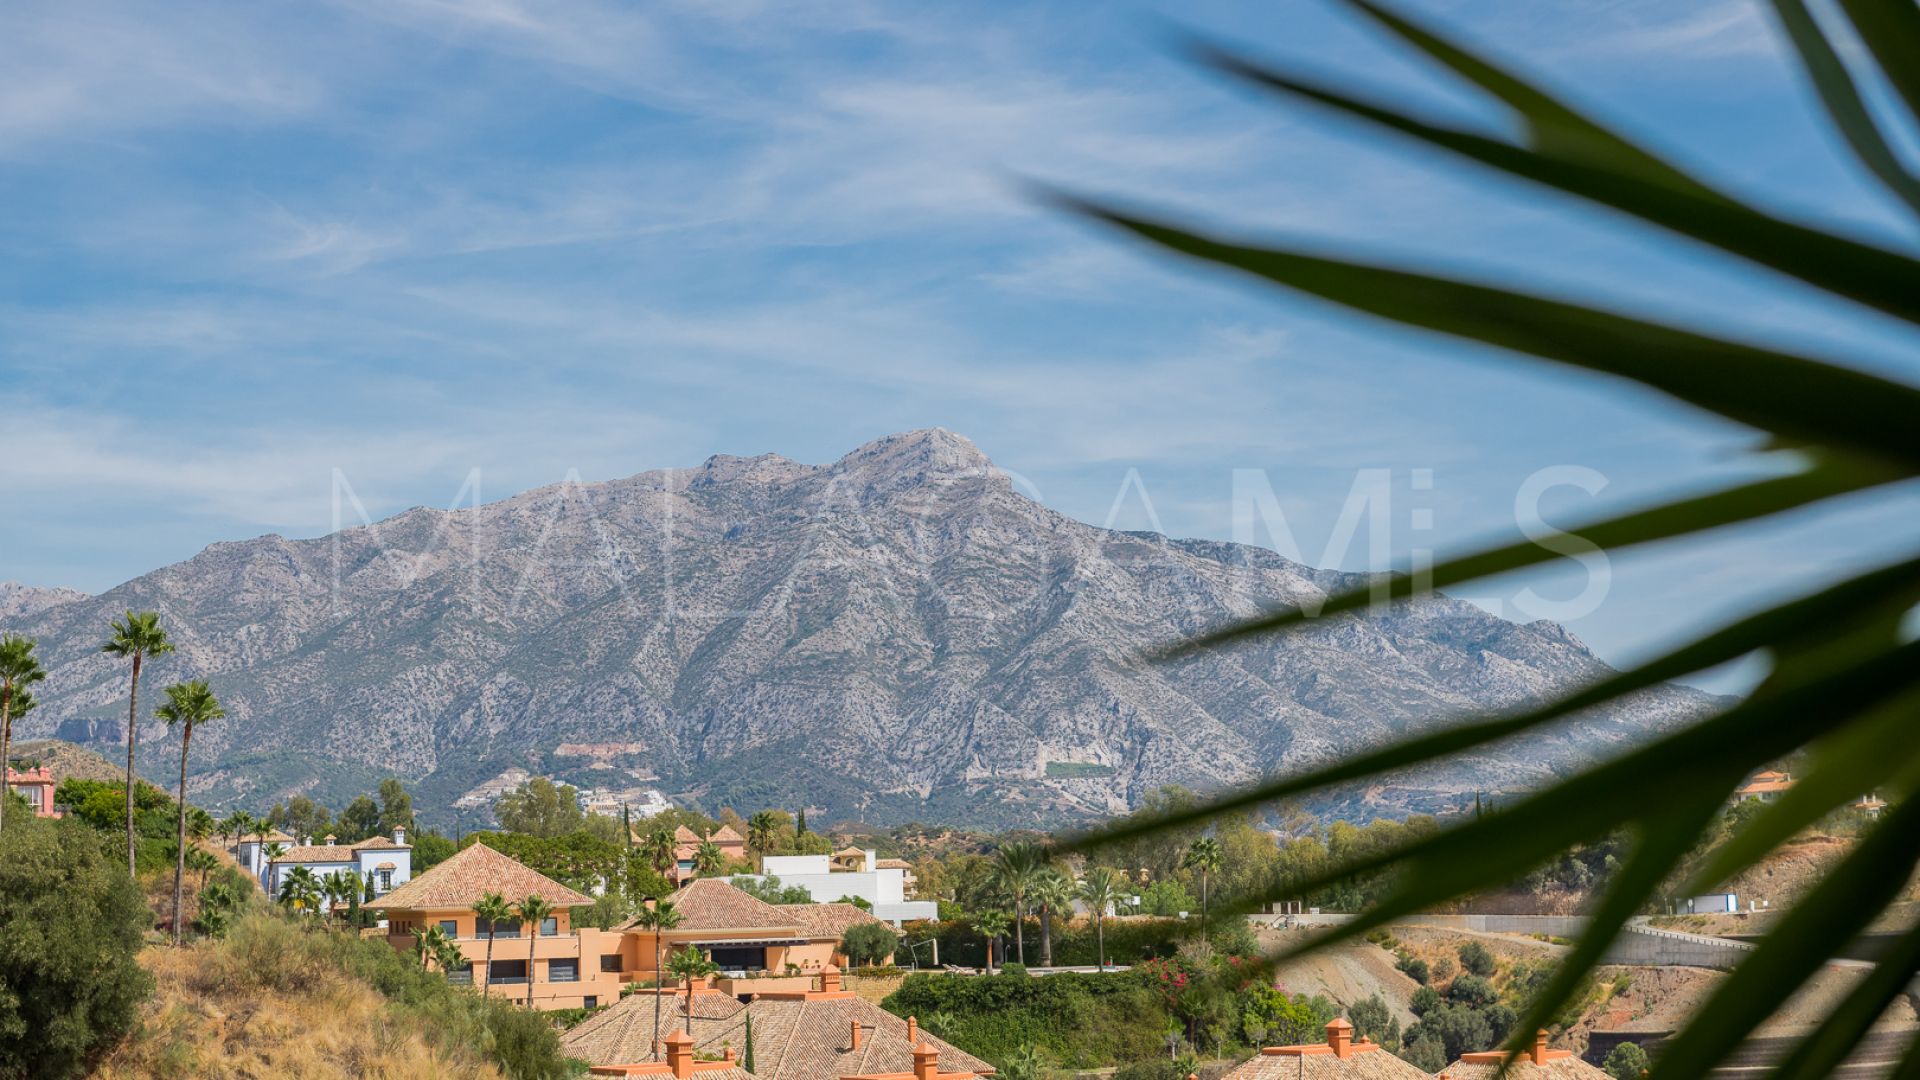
(255, 1008)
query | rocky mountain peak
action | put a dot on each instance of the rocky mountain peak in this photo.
(953, 652)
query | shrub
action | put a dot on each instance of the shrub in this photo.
(1424, 1000)
(1625, 1062)
(1475, 958)
(1236, 939)
(1415, 969)
(1472, 991)
(1427, 1053)
(1443, 969)
(1458, 1028)
(70, 935)
(1370, 1017)
(869, 944)
(1076, 1020)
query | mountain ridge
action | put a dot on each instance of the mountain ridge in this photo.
(895, 634)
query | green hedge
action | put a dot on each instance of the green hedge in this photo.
(1075, 1020)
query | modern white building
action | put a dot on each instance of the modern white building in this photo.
(385, 862)
(851, 873)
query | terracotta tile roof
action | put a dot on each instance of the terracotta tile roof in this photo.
(1563, 1068)
(318, 853)
(849, 850)
(685, 835)
(893, 864)
(1368, 1062)
(623, 1034)
(725, 835)
(472, 872)
(271, 836)
(712, 904)
(826, 921)
(381, 842)
(792, 1039)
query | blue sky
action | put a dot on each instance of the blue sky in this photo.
(244, 245)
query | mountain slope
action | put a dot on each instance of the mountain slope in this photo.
(896, 635)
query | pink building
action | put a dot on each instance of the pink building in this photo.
(36, 786)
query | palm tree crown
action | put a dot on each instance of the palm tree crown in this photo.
(1016, 867)
(18, 669)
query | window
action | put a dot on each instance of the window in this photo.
(386, 876)
(740, 959)
(591, 1002)
(563, 970)
(507, 971)
(450, 927)
(503, 928)
(610, 962)
(550, 926)
(461, 976)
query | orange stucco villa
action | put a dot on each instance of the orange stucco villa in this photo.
(759, 947)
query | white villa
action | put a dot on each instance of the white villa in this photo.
(852, 872)
(385, 862)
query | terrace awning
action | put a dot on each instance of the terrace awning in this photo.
(741, 942)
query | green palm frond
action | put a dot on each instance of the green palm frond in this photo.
(1844, 686)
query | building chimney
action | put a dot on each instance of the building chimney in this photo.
(680, 1054)
(926, 1062)
(330, 839)
(913, 1030)
(1539, 1051)
(830, 980)
(1340, 1036)
(400, 834)
(727, 1055)
(853, 1042)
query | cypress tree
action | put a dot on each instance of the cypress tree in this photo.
(746, 1056)
(799, 829)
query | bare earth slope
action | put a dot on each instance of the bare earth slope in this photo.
(896, 635)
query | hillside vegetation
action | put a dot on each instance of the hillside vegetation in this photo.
(278, 998)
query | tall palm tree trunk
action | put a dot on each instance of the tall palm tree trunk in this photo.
(6, 748)
(486, 987)
(1203, 898)
(1100, 939)
(533, 942)
(133, 736)
(657, 987)
(1020, 933)
(180, 835)
(1046, 935)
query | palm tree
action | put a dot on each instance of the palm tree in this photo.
(490, 909)
(1101, 890)
(341, 891)
(188, 705)
(992, 924)
(657, 920)
(690, 965)
(301, 890)
(202, 862)
(230, 826)
(1016, 867)
(762, 828)
(1052, 891)
(1841, 680)
(532, 911)
(1204, 857)
(431, 944)
(18, 670)
(272, 853)
(659, 847)
(139, 636)
(708, 859)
